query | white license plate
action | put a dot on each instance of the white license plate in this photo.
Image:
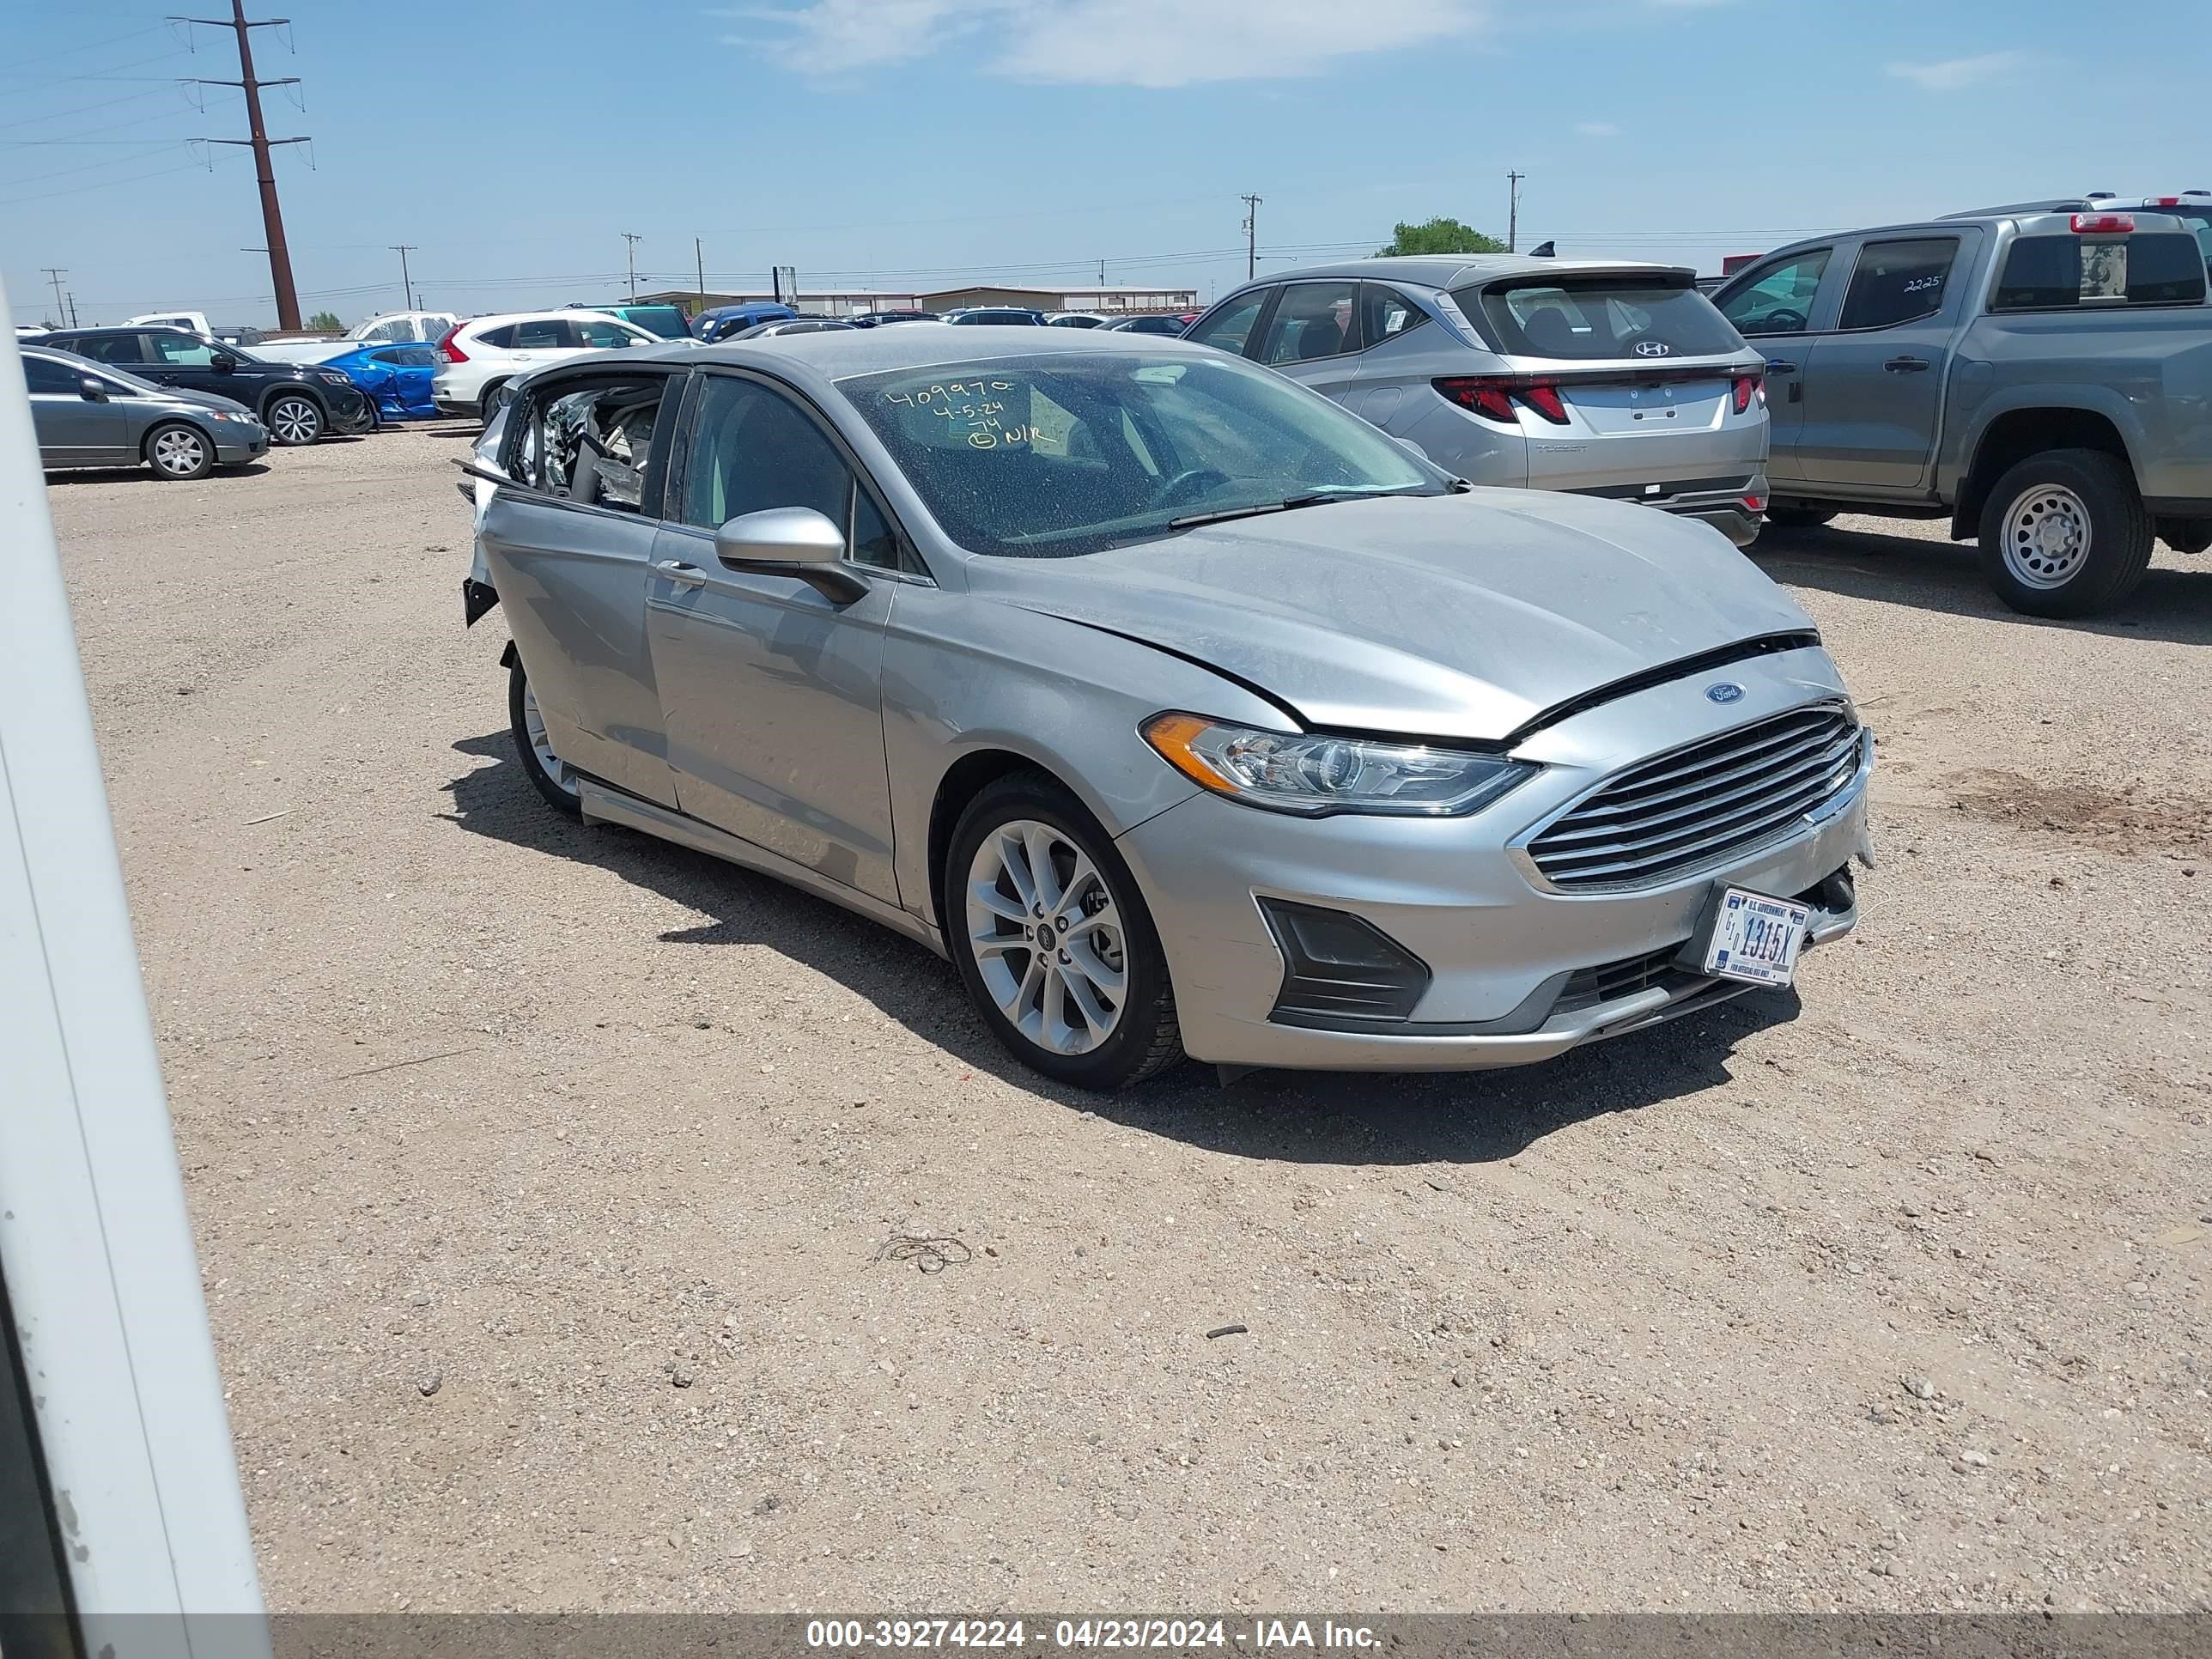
(1755, 938)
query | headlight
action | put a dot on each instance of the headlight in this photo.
(331, 377)
(234, 415)
(1313, 774)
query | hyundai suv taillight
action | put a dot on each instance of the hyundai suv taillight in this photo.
(1494, 396)
(447, 351)
(1748, 386)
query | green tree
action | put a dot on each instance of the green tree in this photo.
(1440, 236)
(328, 320)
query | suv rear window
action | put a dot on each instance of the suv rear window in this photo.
(2157, 268)
(1599, 317)
(667, 321)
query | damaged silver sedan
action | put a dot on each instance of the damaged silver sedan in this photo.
(1185, 712)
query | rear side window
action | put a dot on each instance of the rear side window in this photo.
(1315, 320)
(542, 332)
(1899, 282)
(1385, 313)
(111, 349)
(500, 338)
(2155, 269)
(1596, 318)
(592, 442)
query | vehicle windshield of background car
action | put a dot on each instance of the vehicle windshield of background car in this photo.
(1050, 457)
(1599, 317)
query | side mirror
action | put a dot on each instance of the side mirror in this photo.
(791, 541)
(93, 389)
(224, 365)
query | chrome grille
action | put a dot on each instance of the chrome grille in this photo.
(1699, 805)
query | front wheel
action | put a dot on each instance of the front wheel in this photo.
(1052, 939)
(2065, 534)
(179, 453)
(1785, 516)
(294, 420)
(547, 772)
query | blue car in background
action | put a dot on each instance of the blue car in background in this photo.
(397, 377)
(722, 321)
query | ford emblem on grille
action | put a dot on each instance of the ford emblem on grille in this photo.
(1652, 348)
(1725, 691)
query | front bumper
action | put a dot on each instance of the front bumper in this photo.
(1510, 966)
(235, 446)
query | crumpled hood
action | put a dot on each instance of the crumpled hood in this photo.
(1450, 617)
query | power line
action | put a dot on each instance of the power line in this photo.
(272, 216)
(112, 40)
(82, 189)
(89, 167)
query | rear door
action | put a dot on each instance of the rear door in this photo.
(74, 429)
(771, 692)
(187, 361)
(1873, 385)
(1772, 306)
(568, 545)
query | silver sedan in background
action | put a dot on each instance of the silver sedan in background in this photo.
(1588, 375)
(1184, 711)
(94, 414)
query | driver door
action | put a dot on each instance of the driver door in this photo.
(1771, 306)
(770, 692)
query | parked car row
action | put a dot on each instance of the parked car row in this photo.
(89, 415)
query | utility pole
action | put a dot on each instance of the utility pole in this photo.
(1102, 273)
(72, 309)
(1251, 236)
(272, 218)
(633, 238)
(1513, 211)
(406, 286)
(54, 275)
(699, 262)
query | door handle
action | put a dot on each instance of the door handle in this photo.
(680, 574)
(1776, 367)
(1905, 365)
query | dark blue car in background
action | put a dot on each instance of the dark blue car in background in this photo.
(719, 322)
(397, 377)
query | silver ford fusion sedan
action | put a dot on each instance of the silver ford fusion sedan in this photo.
(1185, 712)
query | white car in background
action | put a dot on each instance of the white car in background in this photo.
(394, 328)
(478, 358)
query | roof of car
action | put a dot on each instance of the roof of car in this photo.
(1449, 271)
(561, 315)
(2024, 214)
(841, 352)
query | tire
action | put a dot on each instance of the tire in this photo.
(1083, 1027)
(2185, 535)
(2065, 534)
(488, 400)
(1798, 517)
(179, 453)
(294, 420)
(547, 775)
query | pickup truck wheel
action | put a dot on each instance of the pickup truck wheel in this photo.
(1787, 517)
(2065, 534)
(2185, 535)
(548, 774)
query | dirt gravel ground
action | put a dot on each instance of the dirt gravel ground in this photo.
(543, 1175)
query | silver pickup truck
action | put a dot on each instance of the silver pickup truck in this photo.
(2042, 379)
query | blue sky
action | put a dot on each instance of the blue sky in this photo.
(899, 144)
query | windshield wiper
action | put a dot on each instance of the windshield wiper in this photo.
(1311, 498)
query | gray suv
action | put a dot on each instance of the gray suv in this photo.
(1590, 376)
(96, 416)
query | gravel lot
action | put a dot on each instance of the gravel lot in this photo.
(541, 1173)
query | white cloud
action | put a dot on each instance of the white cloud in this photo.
(1952, 73)
(1597, 129)
(1143, 43)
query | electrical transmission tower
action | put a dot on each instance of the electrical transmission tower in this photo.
(272, 217)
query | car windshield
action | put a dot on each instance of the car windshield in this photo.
(1599, 317)
(1048, 457)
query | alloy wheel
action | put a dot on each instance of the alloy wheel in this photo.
(1046, 934)
(541, 746)
(180, 453)
(2047, 534)
(295, 421)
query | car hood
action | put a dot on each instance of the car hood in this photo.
(1450, 617)
(178, 394)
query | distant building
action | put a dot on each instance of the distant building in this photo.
(850, 303)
